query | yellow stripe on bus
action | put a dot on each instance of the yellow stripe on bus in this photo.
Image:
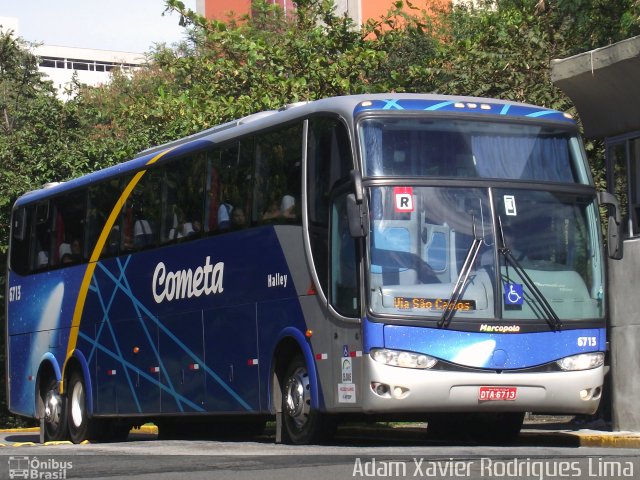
(95, 256)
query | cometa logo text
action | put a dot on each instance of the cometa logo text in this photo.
(206, 279)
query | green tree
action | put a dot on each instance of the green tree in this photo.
(27, 107)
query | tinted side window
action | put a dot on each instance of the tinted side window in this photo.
(182, 198)
(103, 198)
(69, 215)
(278, 175)
(229, 189)
(343, 293)
(142, 213)
(42, 241)
(20, 233)
(329, 159)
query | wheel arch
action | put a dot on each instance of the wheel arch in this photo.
(290, 343)
(78, 362)
(48, 368)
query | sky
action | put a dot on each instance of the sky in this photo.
(121, 25)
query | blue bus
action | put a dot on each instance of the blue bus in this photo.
(382, 256)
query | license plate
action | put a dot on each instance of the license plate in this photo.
(497, 393)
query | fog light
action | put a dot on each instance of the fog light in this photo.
(381, 389)
(400, 392)
(597, 392)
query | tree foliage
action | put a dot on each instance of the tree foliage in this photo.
(494, 48)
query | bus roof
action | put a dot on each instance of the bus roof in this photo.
(347, 107)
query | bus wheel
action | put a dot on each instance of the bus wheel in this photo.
(55, 419)
(302, 424)
(81, 427)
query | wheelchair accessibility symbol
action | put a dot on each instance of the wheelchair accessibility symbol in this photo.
(513, 294)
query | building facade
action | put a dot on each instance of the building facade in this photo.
(88, 66)
(359, 10)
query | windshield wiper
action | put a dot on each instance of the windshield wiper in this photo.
(461, 281)
(549, 314)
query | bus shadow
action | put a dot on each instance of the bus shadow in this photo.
(23, 438)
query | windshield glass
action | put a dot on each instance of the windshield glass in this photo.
(420, 238)
(437, 147)
(551, 237)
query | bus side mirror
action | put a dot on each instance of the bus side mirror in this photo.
(357, 213)
(614, 225)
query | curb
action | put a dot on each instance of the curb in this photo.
(577, 438)
(609, 439)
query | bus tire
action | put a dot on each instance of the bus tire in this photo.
(81, 427)
(302, 424)
(55, 413)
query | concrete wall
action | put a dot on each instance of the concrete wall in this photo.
(624, 297)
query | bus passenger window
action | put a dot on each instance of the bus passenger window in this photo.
(102, 200)
(41, 249)
(69, 227)
(183, 197)
(19, 249)
(278, 176)
(229, 187)
(142, 213)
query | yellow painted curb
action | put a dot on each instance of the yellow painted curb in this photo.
(19, 430)
(614, 441)
(150, 429)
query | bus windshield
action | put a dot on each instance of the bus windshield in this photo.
(421, 237)
(440, 147)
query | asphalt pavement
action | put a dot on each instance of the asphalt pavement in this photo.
(537, 430)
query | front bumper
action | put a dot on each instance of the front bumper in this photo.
(415, 390)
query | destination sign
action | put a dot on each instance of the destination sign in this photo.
(412, 303)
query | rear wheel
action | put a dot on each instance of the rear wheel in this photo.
(81, 427)
(302, 424)
(54, 412)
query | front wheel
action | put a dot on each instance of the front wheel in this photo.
(302, 424)
(81, 427)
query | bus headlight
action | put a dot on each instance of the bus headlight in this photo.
(398, 358)
(582, 361)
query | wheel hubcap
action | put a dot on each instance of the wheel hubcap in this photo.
(53, 408)
(77, 404)
(298, 397)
